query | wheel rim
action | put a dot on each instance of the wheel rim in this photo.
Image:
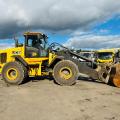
(12, 74)
(65, 73)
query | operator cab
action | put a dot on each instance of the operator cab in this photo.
(105, 56)
(35, 45)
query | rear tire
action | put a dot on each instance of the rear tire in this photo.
(14, 73)
(65, 72)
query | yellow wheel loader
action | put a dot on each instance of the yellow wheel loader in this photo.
(35, 58)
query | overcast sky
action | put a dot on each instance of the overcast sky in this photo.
(86, 23)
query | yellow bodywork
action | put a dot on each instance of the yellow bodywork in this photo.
(35, 64)
(105, 51)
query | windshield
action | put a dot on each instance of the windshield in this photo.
(105, 55)
(32, 42)
(44, 43)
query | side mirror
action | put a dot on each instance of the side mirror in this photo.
(16, 41)
(17, 44)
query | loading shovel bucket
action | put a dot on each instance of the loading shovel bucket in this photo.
(115, 75)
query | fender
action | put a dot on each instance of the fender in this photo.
(20, 59)
(57, 59)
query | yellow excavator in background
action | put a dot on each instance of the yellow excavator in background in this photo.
(105, 55)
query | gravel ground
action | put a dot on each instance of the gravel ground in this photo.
(44, 100)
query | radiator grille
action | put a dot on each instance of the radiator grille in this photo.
(3, 57)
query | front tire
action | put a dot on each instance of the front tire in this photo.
(14, 73)
(65, 72)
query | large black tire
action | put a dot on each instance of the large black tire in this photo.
(14, 73)
(65, 72)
